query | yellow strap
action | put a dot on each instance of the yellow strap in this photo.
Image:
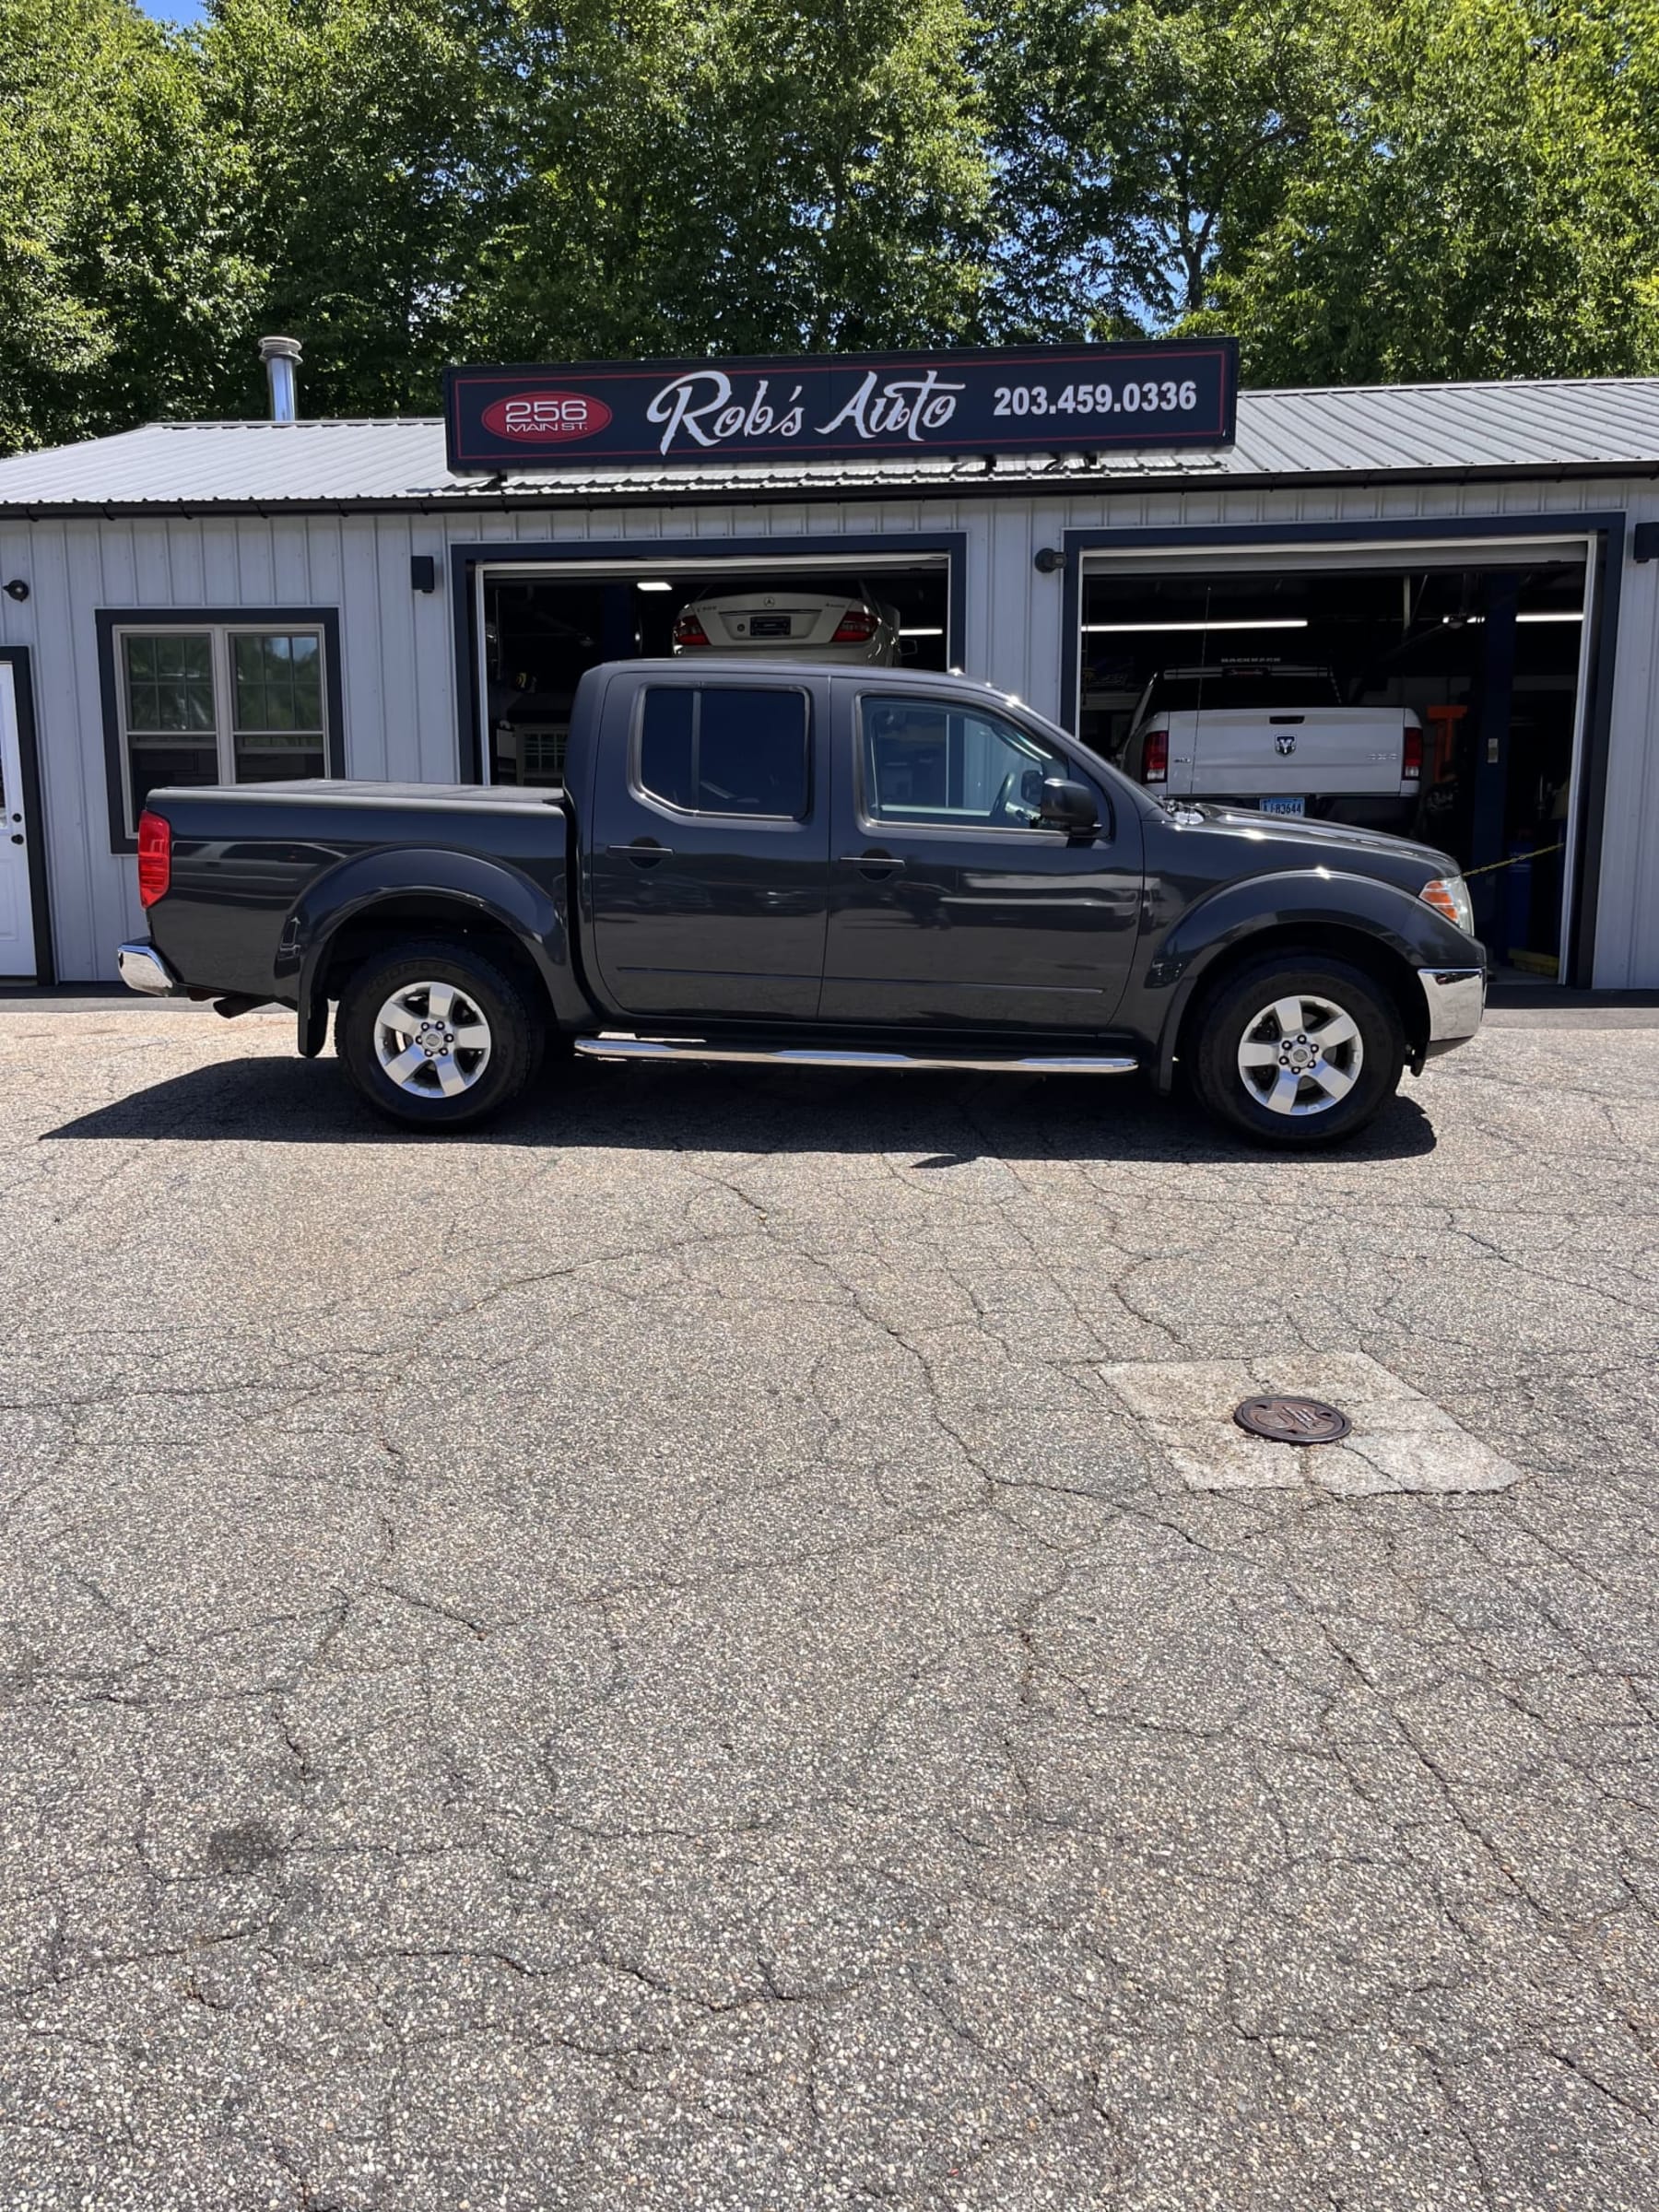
(1516, 859)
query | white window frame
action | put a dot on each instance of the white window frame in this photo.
(224, 732)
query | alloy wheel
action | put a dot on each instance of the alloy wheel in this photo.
(1300, 1055)
(432, 1040)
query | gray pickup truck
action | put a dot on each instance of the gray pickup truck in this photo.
(818, 866)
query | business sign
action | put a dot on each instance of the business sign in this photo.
(836, 407)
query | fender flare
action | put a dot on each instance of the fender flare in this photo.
(1222, 924)
(353, 890)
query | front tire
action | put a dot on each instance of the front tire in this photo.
(1297, 1051)
(437, 1037)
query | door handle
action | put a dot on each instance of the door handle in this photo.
(642, 851)
(868, 864)
(1276, 718)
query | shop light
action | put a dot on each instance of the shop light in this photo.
(654, 586)
(1546, 615)
(921, 633)
(1142, 630)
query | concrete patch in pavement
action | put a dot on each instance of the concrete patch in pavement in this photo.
(1400, 1439)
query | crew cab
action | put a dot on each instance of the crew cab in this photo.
(813, 866)
(1264, 734)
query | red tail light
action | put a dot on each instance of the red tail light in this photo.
(155, 857)
(689, 630)
(1411, 757)
(1155, 757)
(856, 628)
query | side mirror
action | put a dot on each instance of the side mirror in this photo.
(1068, 807)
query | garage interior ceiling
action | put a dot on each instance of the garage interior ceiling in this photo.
(702, 564)
(1298, 557)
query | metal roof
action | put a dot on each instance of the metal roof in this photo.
(1594, 426)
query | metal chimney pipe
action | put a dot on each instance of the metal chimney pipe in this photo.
(281, 357)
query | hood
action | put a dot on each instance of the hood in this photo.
(1288, 841)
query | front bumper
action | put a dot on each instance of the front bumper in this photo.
(1456, 999)
(142, 969)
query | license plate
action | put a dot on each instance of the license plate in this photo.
(769, 626)
(1282, 806)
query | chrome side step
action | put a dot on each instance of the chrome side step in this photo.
(1010, 1063)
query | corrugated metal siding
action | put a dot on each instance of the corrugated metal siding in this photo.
(398, 645)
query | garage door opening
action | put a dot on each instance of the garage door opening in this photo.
(541, 626)
(1444, 701)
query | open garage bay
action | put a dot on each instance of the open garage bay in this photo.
(1486, 649)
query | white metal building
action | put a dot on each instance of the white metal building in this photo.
(271, 598)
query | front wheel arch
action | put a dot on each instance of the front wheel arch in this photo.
(1358, 947)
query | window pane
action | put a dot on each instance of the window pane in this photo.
(152, 765)
(1263, 685)
(273, 760)
(924, 762)
(278, 681)
(666, 745)
(169, 682)
(751, 753)
(184, 653)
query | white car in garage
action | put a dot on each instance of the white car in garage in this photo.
(806, 625)
(1263, 735)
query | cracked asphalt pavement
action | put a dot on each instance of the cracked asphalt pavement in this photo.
(641, 1659)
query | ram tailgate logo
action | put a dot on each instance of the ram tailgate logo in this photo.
(1285, 742)
(546, 417)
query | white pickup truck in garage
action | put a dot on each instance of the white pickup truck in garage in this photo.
(1267, 734)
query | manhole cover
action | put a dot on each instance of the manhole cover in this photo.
(1292, 1420)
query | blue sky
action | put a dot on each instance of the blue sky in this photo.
(172, 11)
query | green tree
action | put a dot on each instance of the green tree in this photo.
(1141, 146)
(1360, 188)
(743, 175)
(1483, 203)
(435, 179)
(367, 130)
(123, 291)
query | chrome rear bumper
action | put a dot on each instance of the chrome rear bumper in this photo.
(142, 969)
(1456, 999)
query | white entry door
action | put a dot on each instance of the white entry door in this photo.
(17, 907)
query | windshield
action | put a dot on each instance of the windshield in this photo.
(1187, 690)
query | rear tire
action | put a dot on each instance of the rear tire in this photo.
(1297, 1051)
(437, 1037)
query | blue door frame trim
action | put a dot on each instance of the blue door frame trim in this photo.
(464, 561)
(16, 658)
(1604, 527)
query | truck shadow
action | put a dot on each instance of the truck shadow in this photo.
(948, 1120)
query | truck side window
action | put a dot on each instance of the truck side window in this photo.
(668, 734)
(719, 749)
(944, 767)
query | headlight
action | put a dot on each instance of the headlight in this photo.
(1449, 895)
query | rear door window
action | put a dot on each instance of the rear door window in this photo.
(726, 749)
